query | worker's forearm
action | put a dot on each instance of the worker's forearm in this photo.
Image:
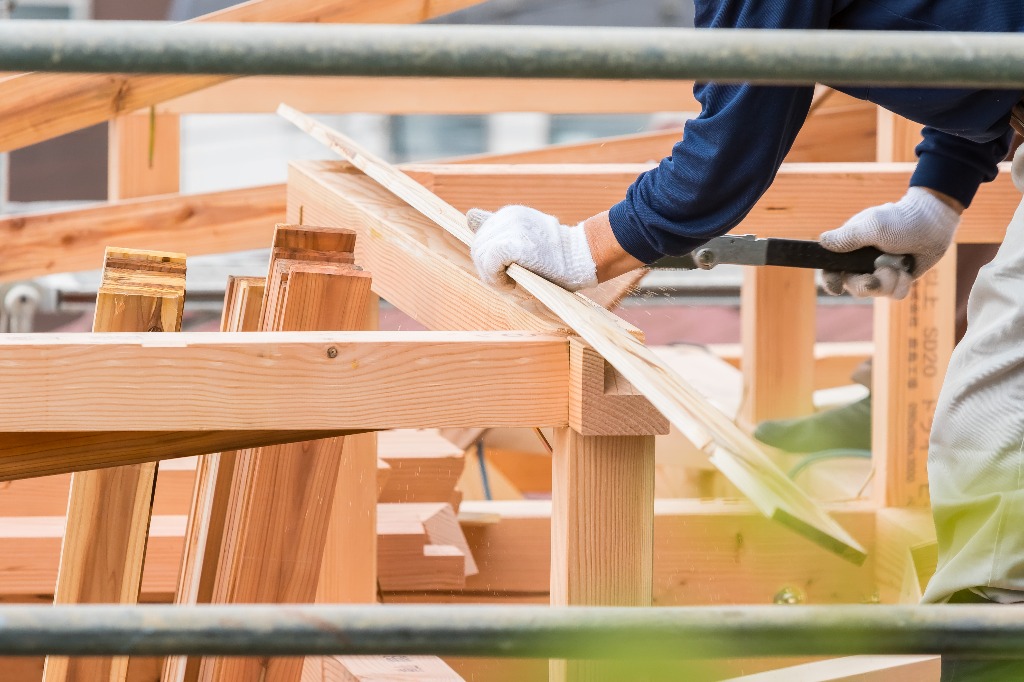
(610, 258)
(946, 199)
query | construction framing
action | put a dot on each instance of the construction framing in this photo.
(298, 397)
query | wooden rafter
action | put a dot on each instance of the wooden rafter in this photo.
(40, 106)
(730, 449)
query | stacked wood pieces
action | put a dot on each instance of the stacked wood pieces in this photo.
(421, 546)
(109, 510)
(243, 300)
(280, 502)
(422, 466)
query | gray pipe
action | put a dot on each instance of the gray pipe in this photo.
(512, 631)
(779, 57)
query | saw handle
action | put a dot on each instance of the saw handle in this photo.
(796, 253)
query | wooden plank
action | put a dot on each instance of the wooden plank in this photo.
(914, 339)
(603, 403)
(422, 547)
(205, 532)
(281, 498)
(40, 106)
(602, 545)
(804, 200)
(423, 466)
(371, 95)
(49, 382)
(737, 456)
(388, 669)
(109, 510)
(27, 455)
(349, 571)
(66, 241)
(778, 312)
(842, 129)
(416, 268)
(855, 669)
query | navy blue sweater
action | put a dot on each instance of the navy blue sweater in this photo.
(730, 154)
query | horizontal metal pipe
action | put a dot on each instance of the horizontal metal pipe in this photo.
(762, 56)
(512, 631)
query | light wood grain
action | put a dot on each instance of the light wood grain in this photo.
(349, 571)
(66, 241)
(855, 669)
(423, 466)
(40, 106)
(914, 339)
(737, 455)
(602, 542)
(98, 382)
(279, 508)
(778, 312)
(109, 510)
(143, 156)
(205, 531)
(388, 669)
(372, 95)
(804, 200)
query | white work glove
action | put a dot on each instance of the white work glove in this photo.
(919, 224)
(534, 240)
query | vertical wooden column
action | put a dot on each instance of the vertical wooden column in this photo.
(349, 572)
(914, 339)
(109, 510)
(778, 312)
(602, 530)
(143, 155)
(214, 472)
(281, 497)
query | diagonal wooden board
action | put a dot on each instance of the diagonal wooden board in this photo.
(735, 454)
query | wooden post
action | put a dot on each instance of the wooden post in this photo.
(778, 308)
(281, 497)
(143, 155)
(914, 339)
(602, 530)
(109, 510)
(214, 472)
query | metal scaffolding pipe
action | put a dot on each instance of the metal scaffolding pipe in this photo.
(512, 631)
(763, 56)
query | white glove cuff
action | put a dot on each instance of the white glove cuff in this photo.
(580, 270)
(932, 209)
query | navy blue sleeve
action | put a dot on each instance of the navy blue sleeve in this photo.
(957, 166)
(729, 155)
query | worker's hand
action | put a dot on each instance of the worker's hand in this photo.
(534, 240)
(920, 224)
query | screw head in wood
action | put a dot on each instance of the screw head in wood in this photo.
(332, 352)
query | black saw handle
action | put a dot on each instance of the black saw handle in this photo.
(797, 253)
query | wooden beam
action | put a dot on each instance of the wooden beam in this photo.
(914, 339)
(66, 241)
(349, 573)
(109, 510)
(603, 403)
(40, 106)
(602, 544)
(737, 455)
(32, 454)
(778, 312)
(205, 531)
(427, 276)
(347, 378)
(370, 95)
(805, 200)
(281, 497)
(387, 669)
(842, 129)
